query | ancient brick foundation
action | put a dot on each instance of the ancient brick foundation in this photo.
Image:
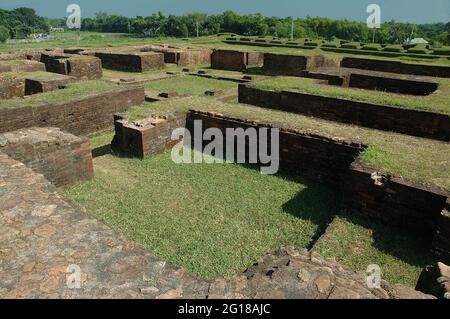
(406, 121)
(22, 66)
(80, 117)
(11, 86)
(396, 67)
(34, 85)
(392, 200)
(235, 60)
(146, 137)
(80, 67)
(133, 62)
(441, 242)
(62, 158)
(294, 65)
(182, 56)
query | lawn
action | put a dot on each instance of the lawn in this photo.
(415, 159)
(358, 243)
(71, 92)
(438, 101)
(192, 85)
(214, 220)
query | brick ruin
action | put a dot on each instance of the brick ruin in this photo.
(80, 117)
(406, 121)
(235, 60)
(80, 67)
(181, 56)
(64, 159)
(295, 65)
(21, 66)
(132, 62)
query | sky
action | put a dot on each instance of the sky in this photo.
(417, 11)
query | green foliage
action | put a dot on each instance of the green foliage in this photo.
(4, 33)
(22, 22)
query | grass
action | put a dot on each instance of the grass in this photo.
(71, 92)
(192, 85)
(214, 220)
(438, 101)
(358, 243)
(416, 159)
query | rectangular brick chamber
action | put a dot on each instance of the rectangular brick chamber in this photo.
(182, 56)
(11, 86)
(294, 65)
(21, 66)
(396, 67)
(366, 192)
(64, 159)
(80, 67)
(235, 60)
(412, 122)
(36, 84)
(132, 62)
(80, 117)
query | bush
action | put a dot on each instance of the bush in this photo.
(4, 33)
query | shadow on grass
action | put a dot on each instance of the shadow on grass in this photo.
(409, 247)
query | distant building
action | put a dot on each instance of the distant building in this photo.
(52, 29)
(416, 41)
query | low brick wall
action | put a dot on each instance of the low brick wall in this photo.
(295, 65)
(80, 117)
(22, 66)
(11, 86)
(235, 60)
(406, 121)
(146, 137)
(35, 85)
(133, 62)
(390, 84)
(396, 67)
(392, 200)
(315, 156)
(62, 158)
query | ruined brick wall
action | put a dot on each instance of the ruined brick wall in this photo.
(230, 60)
(22, 66)
(441, 242)
(11, 86)
(318, 157)
(406, 121)
(81, 67)
(62, 158)
(80, 117)
(35, 85)
(393, 201)
(255, 59)
(133, 62)
(396, 67)
(194, 57)
(146, 137)
(389, 84)
(295, 65)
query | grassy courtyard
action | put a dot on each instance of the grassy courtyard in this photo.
(211, 219)
(192, 85)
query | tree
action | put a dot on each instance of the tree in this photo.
(4, 33)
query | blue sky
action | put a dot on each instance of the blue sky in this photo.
(419, 11)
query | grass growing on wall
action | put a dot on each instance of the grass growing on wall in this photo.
(211, 219)
(436, 102)
(192, 85)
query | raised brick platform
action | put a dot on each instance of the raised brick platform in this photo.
(235, 60)
(133, 62)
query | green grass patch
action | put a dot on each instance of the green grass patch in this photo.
(193, 85)
(73, 91)
(358, 243)
(416, 159)
(214, 220)
(438, 102)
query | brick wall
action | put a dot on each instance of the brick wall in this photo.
(294, 65)
(235, 60)
(34, 85)
(11, 86)
(412, 122)
(390, 84)
(62, 158)
(396, 67)
(80, 117)
(393, 201)
(22, 66)
(133, 62)
(146, 137)
(441, 242)
(81, 67)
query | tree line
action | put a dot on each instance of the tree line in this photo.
(193, 24)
